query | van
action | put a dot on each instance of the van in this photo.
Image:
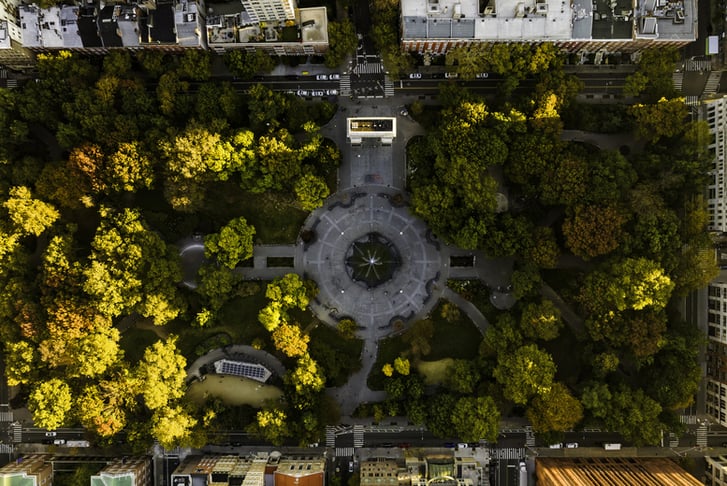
(612, 447)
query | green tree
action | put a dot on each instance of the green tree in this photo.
(541, 320)
(503, 337)
(20, 362)
(29, 216)
(50, 402)
(172, 426)
(311, 191)
(161, 374)
(246, 64)
(232, 244)
(195, 64)
(290, 291)
(130, 168)
(272, 425)
(566, 183)
(605, 363)
(307, 377)
(543, 248)
(476, 418)
(401, 365)
(342, 41)
(439, 414)
(555, 411)
(93, 353)
(592, 231)
(664, 119)
(289, 339)
(527, 372)
(419, 337)
(100, 410)
(462, 376)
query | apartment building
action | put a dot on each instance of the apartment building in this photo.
(435, 26)
(32, 470)
(127, 471)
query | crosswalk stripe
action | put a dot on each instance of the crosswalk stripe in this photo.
(697, 65)
(358, 436)
(330, 436)
(17, 432)
(345, 451)
(678, 80)
(702, 435)
(369, 68)
(713, 82)
(509, 453)
(345, 85)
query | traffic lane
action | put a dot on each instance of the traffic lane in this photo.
(34, 435)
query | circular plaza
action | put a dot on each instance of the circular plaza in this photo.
(373, 260)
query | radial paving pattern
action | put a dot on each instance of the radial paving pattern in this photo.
(340, 227)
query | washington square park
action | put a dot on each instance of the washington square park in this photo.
(362, 253)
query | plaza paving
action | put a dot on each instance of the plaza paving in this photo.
(414, 287)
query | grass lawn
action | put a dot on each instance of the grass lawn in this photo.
(434, 372)
(237, 318)
(338, 357)
(134, 342)
(567, 353)
(458, 340)
(233, 391)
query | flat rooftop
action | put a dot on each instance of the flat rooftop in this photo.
(592, 471)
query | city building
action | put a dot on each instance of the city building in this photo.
(716, 471)
(714, 112)
(269, 10)
(128, 471)
(435, 26)
(12, 52)
(30, 470)
(296, 31)
(592, 471)
(259, 470)
(382, 472)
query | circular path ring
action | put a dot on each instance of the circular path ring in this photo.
(413, 289)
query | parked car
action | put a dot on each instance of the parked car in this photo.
(387, 444)
(350, 466)
(403, 445)
(59, 442)
(450, 445)
(462, 445)
(332, 92)
(322, 77)
(334, 77)
(303, 92)
(482, 75)
(556, 446)
(51, 434)
(571, 445)
(415, 76)
(451, 75)
(318, 93)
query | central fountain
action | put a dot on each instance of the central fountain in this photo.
(372, 260)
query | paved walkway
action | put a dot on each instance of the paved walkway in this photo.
(604, 141)
(574, 321)
(477, 317)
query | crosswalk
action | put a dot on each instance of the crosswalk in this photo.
(345, 451)
(369, 68)
(330, 436)
(508, 453)
(529, 437)
(702, 435)
(17, 432)
(6, 449)
(691, 100)
(697, 65)
(712, 82)
(358, 435)
(678, 80)
(345, 85)
(388, 88)
(6, 416)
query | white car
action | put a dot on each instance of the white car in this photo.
(334, 77)
(556, 446)
(571, 445)
(415, 76)
(303, 92)
(322, 77)
(332, 92)
(51, 434)
(318, 93)
(59, 442)
(482, 75)
(451, 75)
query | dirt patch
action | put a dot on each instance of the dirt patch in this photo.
(233, 390)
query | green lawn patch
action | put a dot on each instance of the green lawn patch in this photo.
(459, 339)
(434, 372)
(233, 391)
(134, 342)
(237, 319)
